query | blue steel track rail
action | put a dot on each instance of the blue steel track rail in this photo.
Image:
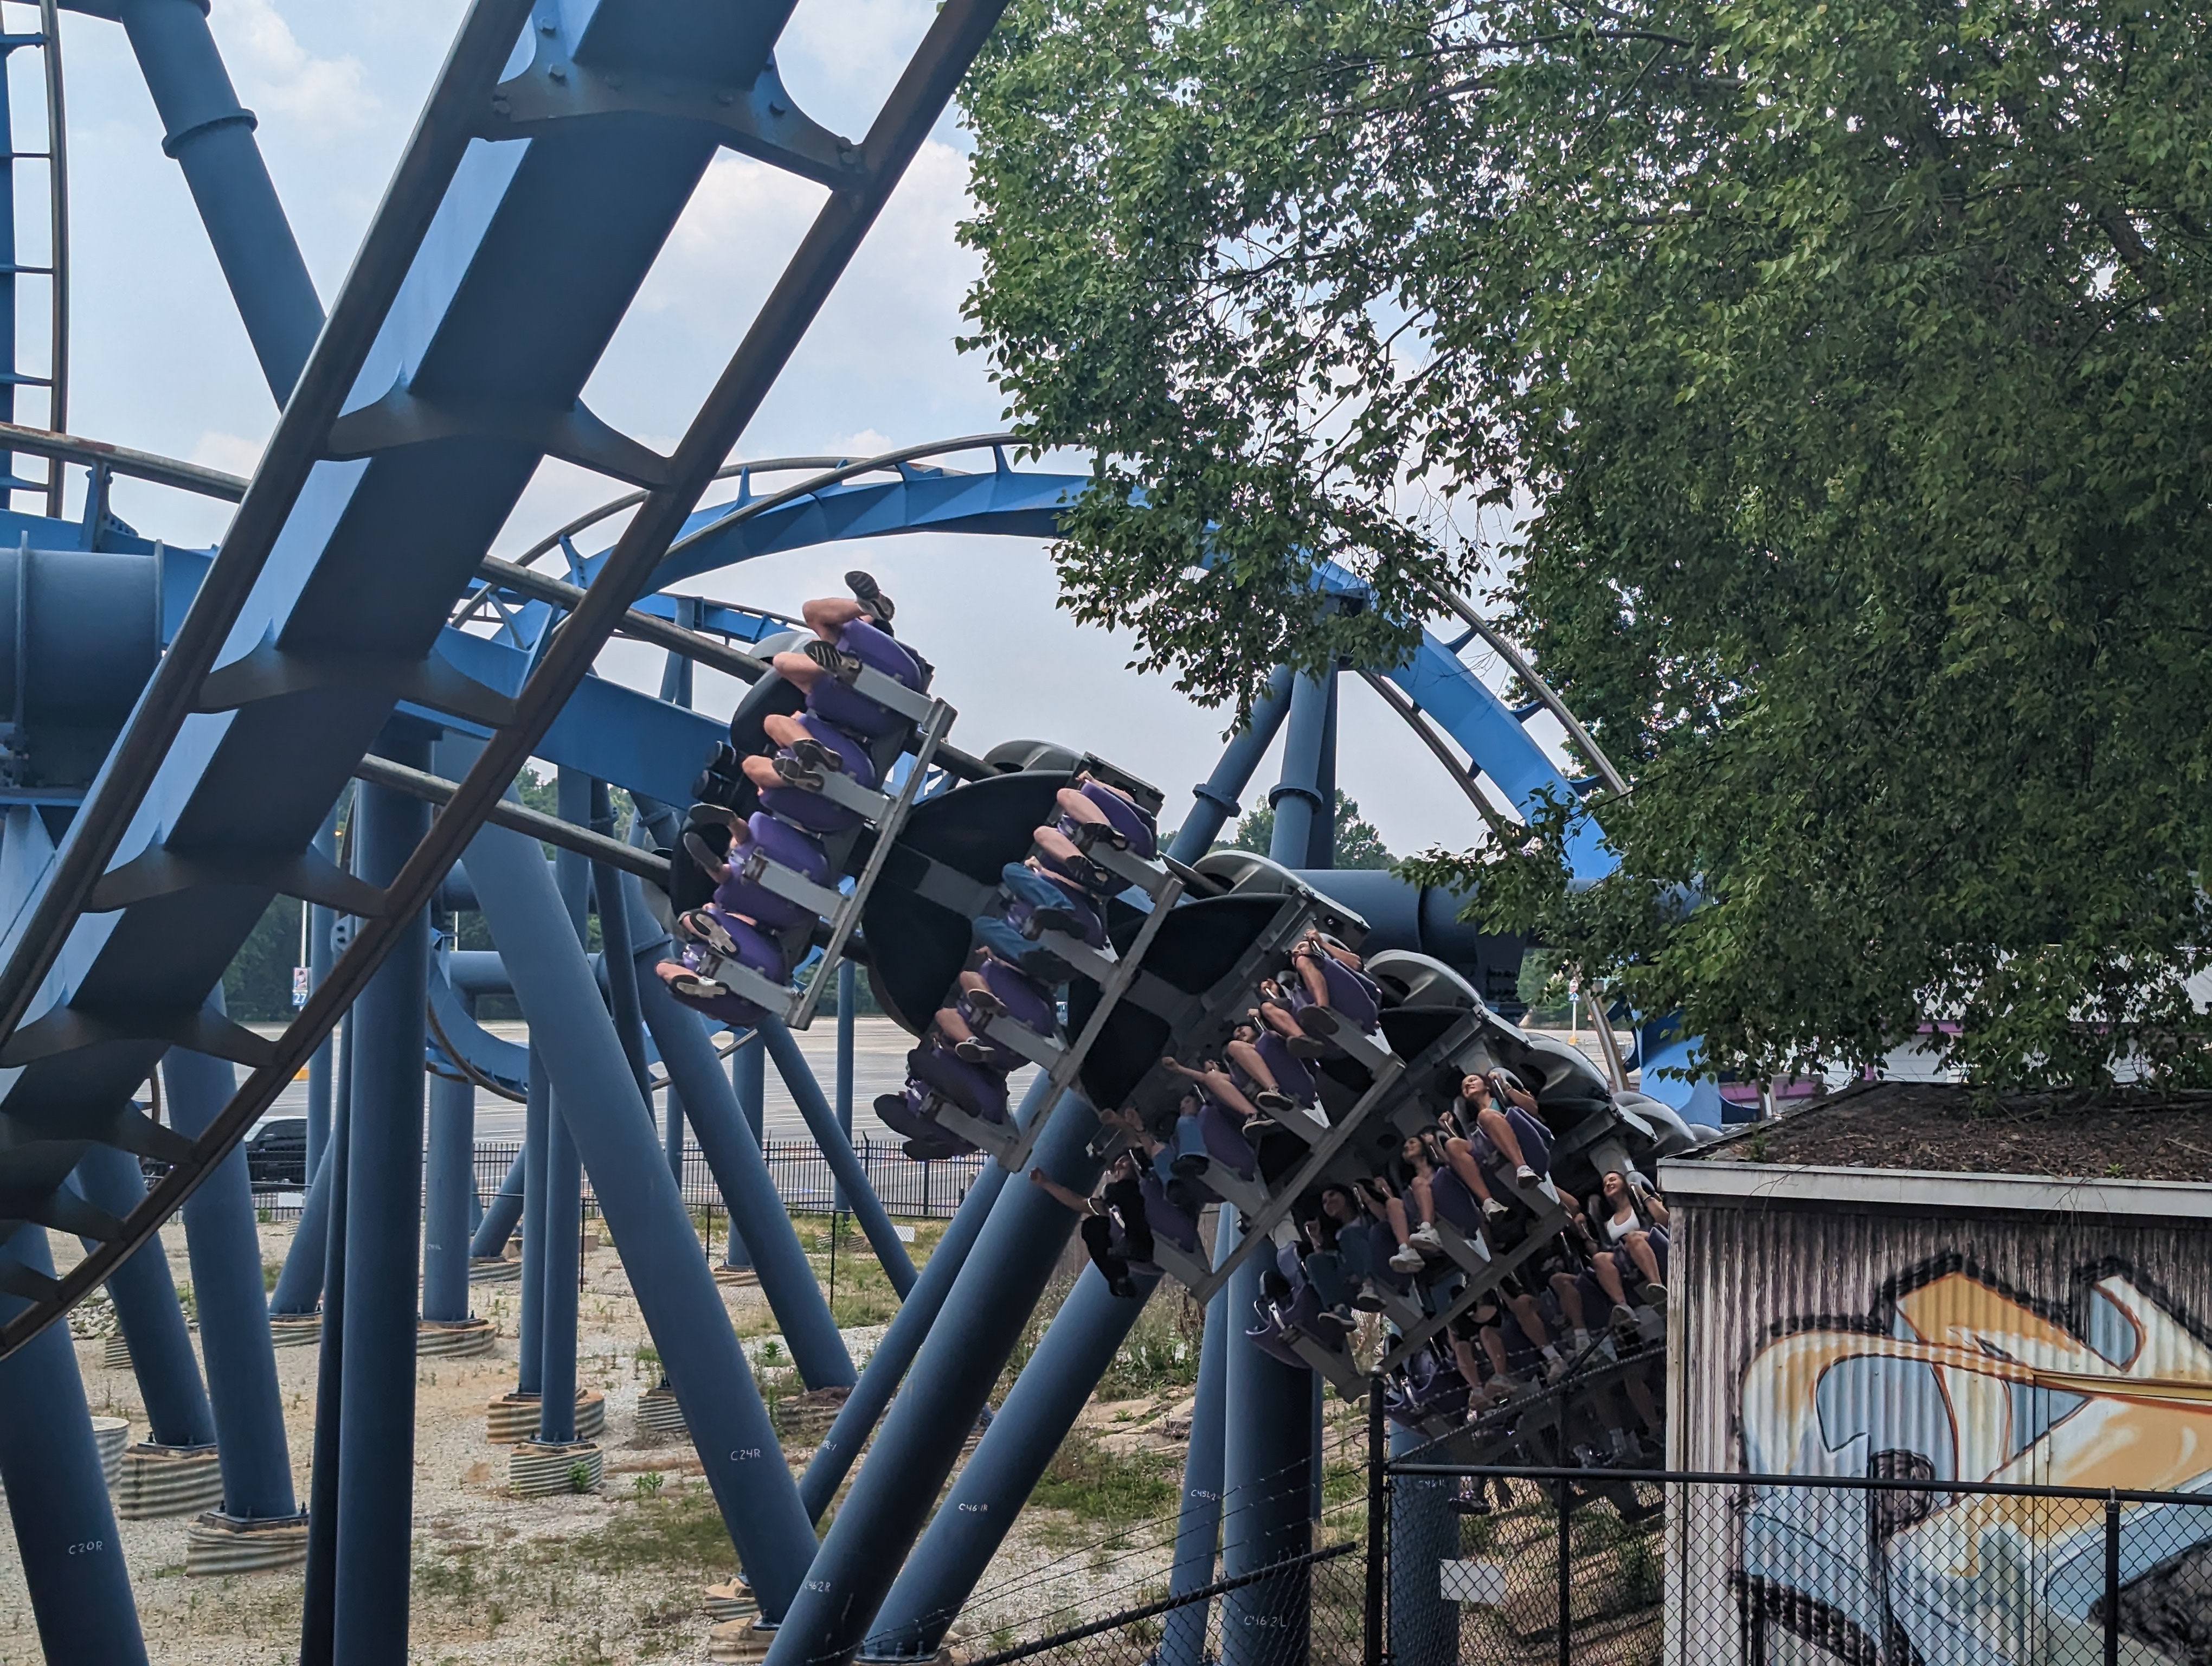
(335, 578)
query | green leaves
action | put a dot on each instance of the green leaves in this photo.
(1830, 376)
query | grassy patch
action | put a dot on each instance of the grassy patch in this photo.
(1162, 1349)
(680, 1531)
(1105, 1489)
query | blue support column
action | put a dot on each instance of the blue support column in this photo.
(145, 1298)
(614, 940)
(234, 1305)
(952, 1380)
(672, 1133)
(556, 1328)
(1198, 1519)
(1320, 840)
(848, 996)
(1424, 1533)
(319, 1601)
(211, 138)
(942, 1571)
(910, 1326)
(384, 1203)
(320, 920)
(749, 1085)
(787, 1279)
(451, 1187)
(537, 1137)
(1218, 794)
(503, 1214)
(1296, 798)
(844, 1161)
(675, 688)
(614, 1130)
(1267, 1463)
(301, 1284)
(65, 1533)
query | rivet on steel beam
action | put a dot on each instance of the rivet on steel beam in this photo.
(557, 71)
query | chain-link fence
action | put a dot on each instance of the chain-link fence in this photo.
(1492, 1565)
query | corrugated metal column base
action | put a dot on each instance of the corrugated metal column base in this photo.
(167, 1481)
(215, 1545)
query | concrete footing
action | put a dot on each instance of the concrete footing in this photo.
(536, 1472)
(167, 1480)
(514, 1417)
(494, 1269)
(730, 1600)
(215, 1544)
(450, 1339)
(745, 1640)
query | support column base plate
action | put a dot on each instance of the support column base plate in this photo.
(217, 1544)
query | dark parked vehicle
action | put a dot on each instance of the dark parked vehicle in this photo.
(276, 1155)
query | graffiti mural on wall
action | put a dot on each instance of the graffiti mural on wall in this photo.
(1953, 1378)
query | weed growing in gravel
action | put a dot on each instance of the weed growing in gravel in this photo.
(1104, 1489)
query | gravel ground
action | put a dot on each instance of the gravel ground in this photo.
(555, 1580)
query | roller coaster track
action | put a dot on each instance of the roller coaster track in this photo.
(450, 366)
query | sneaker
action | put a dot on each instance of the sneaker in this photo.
(1317, 1020)
(700, 925)
(870, 595)
(1257, 1125)
(983, 1004)
(1369, 1299)
(792, 773)
(1306, 1047)
(834, 660)
(1089, 834)
(1407, 1260)
(710, 860)
(974, 1049)
(1655, 1294)
(1493, 1210)
(1623, 1316)
(1190, 1166)
(1270, 1100)
(1341, 1320)
(1525, 1174)
(1471, 1504)
(1578, 1341)
(1423, 1236)
(817, 757)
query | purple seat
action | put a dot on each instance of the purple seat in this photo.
(833, 702)
(981, 1092)
(787, 846)
(1225, 1139)
(1131, 822)
(1289, 1070)
(1456, 1203)
(1026, 1000)
(1166, 1220)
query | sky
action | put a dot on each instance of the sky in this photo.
(161, 362)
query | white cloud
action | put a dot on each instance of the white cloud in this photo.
(276, 72)
(233, 454)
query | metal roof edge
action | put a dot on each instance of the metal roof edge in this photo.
(1933, 1189)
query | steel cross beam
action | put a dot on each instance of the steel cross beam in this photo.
(955, 35)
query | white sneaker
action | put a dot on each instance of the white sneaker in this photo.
(1525, 1174)
(1407, 1260)
(1579, 1341)
(1492, 1209)
(1423, 1236)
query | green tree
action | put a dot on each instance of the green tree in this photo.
(1358, 842)
(1831, 380)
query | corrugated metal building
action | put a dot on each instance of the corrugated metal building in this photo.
(1950, 1327)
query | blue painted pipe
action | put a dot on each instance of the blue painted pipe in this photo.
(556, 1328)
(65, 1533)
(620, 966)
(849, 997)
(301, 1284)
(384, 1203)
(787, 1279)
(1320, 839)
(614, 1131)
(1424, 1532)
(951, 1382)
(537, 1140)
(1218, 794)
(749, 1084)
(501, 1215)
(320, 922)
(972, 1522)
(1267, 1459)
(910, 1326)
(211, 138)
(319, 1601)
(234, 1306)
(451, 1187)
(145, 1298)
(1296, 797)
(844, 1161)
(1198, 1518)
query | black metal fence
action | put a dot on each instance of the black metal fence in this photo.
(1491, 1564)
(920, 1191)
